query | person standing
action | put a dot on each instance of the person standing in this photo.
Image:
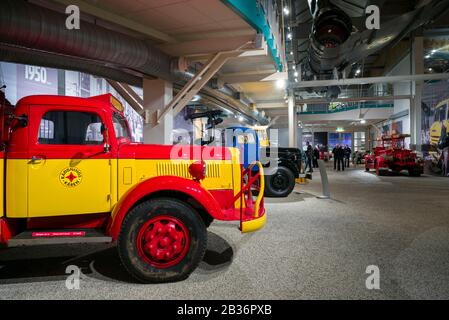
(347, 155)
(340, 158)
(309, 156)
(316, 156)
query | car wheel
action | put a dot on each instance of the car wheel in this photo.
(280, 184)
(162, 240)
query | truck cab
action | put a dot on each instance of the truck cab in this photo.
(71, 174)
(282, 165)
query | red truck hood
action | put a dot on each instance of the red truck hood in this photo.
(178, 152)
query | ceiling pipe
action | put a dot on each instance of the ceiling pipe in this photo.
(14, 54)
(32, 27)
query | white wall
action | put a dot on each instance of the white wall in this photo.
(401, 88)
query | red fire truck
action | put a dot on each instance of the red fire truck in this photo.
(391, 154)
(70, 174)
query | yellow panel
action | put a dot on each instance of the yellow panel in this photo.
(2, 166)
(50, 196)
(16, 188)
(219, 173)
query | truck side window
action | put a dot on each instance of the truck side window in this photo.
(70, 128)
(120, 127)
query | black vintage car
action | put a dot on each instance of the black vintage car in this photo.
(280, 178)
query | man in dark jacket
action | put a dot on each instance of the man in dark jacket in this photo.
(309, 156)
(347, 154)
(340, 154)
(316, 157)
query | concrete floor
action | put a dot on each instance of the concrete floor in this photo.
(310, 249)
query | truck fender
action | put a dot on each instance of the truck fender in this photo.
(153, 185)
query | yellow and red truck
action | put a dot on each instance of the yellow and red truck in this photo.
(70, 173)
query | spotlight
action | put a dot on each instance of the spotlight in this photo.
(281, 84)
(286, 11)
(296, 74)
(289, 36)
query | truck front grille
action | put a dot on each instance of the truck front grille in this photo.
(182, 170)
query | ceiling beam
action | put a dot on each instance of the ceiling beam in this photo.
(203, 46)
(370, 80)
(280, 104)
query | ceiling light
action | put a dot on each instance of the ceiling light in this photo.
(286, 11)
(291, 52)
(296, 74)
(430, 69)
(241, 119)
(289, 36)
(363, 121)
(281, 84)
(196, 98)
(433, 51)
(428, 56)
(294, 67)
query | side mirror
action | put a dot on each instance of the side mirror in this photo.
(21, 120)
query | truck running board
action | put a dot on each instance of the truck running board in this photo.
(53, 237)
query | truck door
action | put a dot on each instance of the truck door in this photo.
(69, 172)
(246, 141)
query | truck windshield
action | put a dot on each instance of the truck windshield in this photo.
(121, 127)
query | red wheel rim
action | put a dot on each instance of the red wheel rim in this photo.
(163, 241)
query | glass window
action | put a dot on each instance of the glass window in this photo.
(246, 139)
(71, 128)
(443, 113)
(120, 126)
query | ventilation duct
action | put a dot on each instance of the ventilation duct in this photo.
(30, 27)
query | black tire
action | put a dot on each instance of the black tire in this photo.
(136, 219)
(280, 184)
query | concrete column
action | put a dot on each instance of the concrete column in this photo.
(417, 61)
(292, 123)
(156, 95)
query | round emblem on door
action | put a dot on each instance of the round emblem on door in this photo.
(71, 177)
